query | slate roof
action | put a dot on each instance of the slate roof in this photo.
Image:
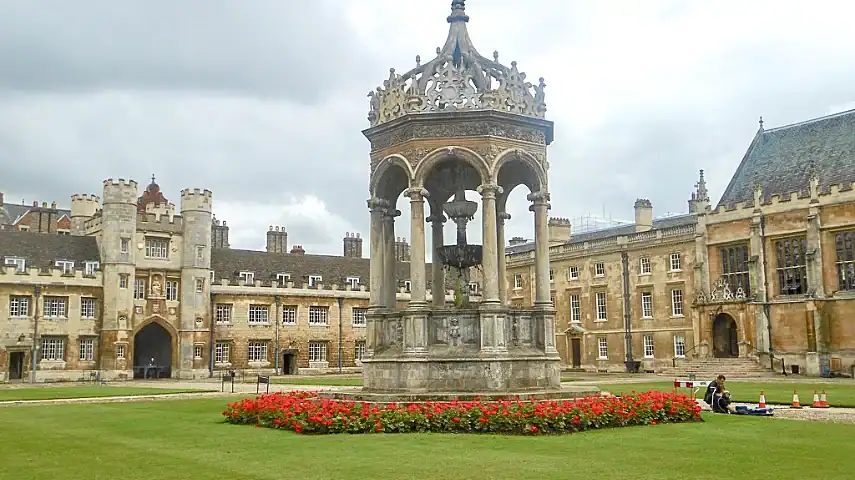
(11, 212)
(780, 159)
(228, 263)
(43, 249)
(628, 229)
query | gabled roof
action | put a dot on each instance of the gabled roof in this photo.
(11, 213)
(43, 249)
(628, 229)
(781, 159)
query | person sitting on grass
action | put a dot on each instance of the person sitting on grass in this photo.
(722, 403)
(715, 388)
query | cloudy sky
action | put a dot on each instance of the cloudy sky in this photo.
(263, 102)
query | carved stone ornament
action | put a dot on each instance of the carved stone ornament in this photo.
(459, 78)
(399, 332)
(722, 292)
(454, 331)
(515, 331)
(459, 130)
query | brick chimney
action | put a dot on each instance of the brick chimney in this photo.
(352, 245)
(643, 215)
(559, 230)
(277, 240)
(297, 250)
(219, 234)
(1, 199)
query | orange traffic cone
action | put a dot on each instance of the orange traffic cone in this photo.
(796, 403)
(823, 400)
(762, 403)
(815, 403)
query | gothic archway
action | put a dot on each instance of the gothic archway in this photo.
(153, 352)
(725, 336)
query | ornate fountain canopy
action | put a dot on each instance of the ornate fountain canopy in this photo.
(459, 78)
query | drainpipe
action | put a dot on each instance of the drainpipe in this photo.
(340, 302)
(37, 291)
(277, 319)
(211, 345)
(627, 314)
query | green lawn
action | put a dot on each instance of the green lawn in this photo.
(81, 391)
(185, 439)
(839, 394)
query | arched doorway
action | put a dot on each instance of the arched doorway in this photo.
(153, 352)
(725, 339)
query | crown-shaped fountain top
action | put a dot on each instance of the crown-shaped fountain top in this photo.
(459, 78)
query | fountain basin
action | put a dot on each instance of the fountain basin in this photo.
(461, 256)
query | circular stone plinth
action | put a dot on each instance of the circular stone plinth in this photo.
(358, 395)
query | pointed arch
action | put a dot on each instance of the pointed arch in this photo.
(160, 321)
(450, 152)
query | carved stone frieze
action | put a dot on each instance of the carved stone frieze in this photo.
(458, 130)
(722, 292)
(414, 155)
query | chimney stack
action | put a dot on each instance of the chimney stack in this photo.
(643, 215)
(1, 199)
(219, 234)
(352, 245)
(402, 250)
(297, 250)
(559, 230)
(277, 240)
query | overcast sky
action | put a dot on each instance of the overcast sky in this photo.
(263, 102)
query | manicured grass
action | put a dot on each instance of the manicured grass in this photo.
(81, 391)
(184, 439)
(839, 394)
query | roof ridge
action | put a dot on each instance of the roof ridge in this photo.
(812, 120)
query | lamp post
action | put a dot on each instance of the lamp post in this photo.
(37, 291)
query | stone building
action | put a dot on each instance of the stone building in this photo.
(766, 276)
(776, 258)
(34, 218)
(638, 275)
(141, 288)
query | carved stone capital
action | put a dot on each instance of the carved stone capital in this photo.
(503, 216)
(539, 198)
(416, 194)
(436, 218)
(489, 190)
(390, 214)
(377, 204)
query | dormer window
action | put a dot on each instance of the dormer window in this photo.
(315, 279)
(247, 277)
(66, 266)
(353, 282)
(92, 267)
(283, 278)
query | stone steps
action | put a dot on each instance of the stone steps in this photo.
(711, 367)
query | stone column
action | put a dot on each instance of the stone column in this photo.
(377, 207)
(503, 270)
(490, 260)
(540, 207)
(418, 282)
(438, 273)
(390, 282)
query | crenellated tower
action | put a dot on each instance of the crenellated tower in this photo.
(197, 222)
(117, 242)
(83, 207)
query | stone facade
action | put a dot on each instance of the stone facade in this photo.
(39, 218)
(138, 284)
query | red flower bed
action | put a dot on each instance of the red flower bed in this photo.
(304, 412)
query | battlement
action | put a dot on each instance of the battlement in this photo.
(240, 287)
(93, 224)
(351, 235)
(777, 203)
(643, 203)
(49, 276)
(196, 199)
(154, 218)
(85, 197)
(559, 222)
(121, 183)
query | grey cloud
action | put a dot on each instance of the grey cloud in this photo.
(280, 48)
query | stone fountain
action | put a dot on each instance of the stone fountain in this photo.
(460, 257)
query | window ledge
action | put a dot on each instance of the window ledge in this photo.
(258, 324)
(603, 320)
(289, 324)
(679, 270)
(319, 325)
(678, 316)
(359, 325)
(223, 364)
(647, 318)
